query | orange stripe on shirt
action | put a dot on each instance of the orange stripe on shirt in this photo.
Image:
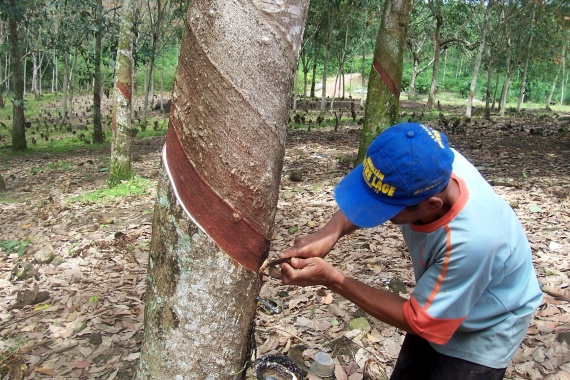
(441, 276)
(436, 330)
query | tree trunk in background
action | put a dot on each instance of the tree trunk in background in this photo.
(488, 91)
(415, 72)
(549, 101)
(436, 55)
(2, 76)
(362, 75)
(295, 80)
(506, 83)
(71, 87)
(523, 79)
(305, 81)
(217, 198)
(25, 71)
(313, 79)
(339, 80)
(330, 29)
(162, 85)
(155, 30)
(35, 87)
(564, 80)
(122, 97)
(384, 84)
(18, 118)
(64, 85)
(98, 137)
(54, 78)
(472, 88)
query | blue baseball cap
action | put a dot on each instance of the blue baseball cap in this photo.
(405, 165)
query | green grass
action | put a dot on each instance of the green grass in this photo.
(65, 145)
(132, 188)
(6, 197)
(62, 165)
(151, 133)
(61, 139)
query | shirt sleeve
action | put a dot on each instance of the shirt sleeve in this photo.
(448, 289)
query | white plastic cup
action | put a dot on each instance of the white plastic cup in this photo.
(323, 366)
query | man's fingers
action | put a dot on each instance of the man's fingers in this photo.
(297, 263)
(290, 252)
(280, 260)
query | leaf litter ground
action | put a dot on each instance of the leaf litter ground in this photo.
(81, 316)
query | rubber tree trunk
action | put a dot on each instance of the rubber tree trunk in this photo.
(506, 84)
(314, 70)
(564, 79)
(18, 118)
(156, 25)
(523, 79)
(98, 136)
(488, 89)
(473, 86)
(71, 86)
(305, 67)
(385, 80)
(122, 105)
(436, 56)
(332, 15)
(415, 46)
(217, 197)
(551, 94)
(64, 85)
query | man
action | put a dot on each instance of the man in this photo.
(476, 287)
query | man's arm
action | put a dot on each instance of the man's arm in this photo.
(320, 243)
(383, 305)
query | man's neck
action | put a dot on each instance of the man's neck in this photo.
(449, 196)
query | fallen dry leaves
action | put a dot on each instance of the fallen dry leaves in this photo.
(91, 324)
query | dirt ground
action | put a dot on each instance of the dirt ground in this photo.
(85, 319)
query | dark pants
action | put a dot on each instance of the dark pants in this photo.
(419, 361)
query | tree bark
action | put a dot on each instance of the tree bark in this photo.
(54, 78)
(495, 90)
(71, 87)
(98, 136)
(339, 80)
(362, 75)
(523, 80)
(436, 56)
(305, 64)
(473, 86)
(121, 124)
(314, 71)
(506, 84)
(416, 71)
(64, 86)
(18, 118)
(564, 80)
(488, 90)
(216, 202)
(384, 84)
(332, 10)
(155, 32)
(551, 94)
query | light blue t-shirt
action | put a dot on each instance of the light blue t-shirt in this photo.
(476, 287)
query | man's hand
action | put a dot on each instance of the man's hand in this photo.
(308, 272)
(320, 243)
(381, 304)
(317, 244)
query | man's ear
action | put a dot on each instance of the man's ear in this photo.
(433, 203)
